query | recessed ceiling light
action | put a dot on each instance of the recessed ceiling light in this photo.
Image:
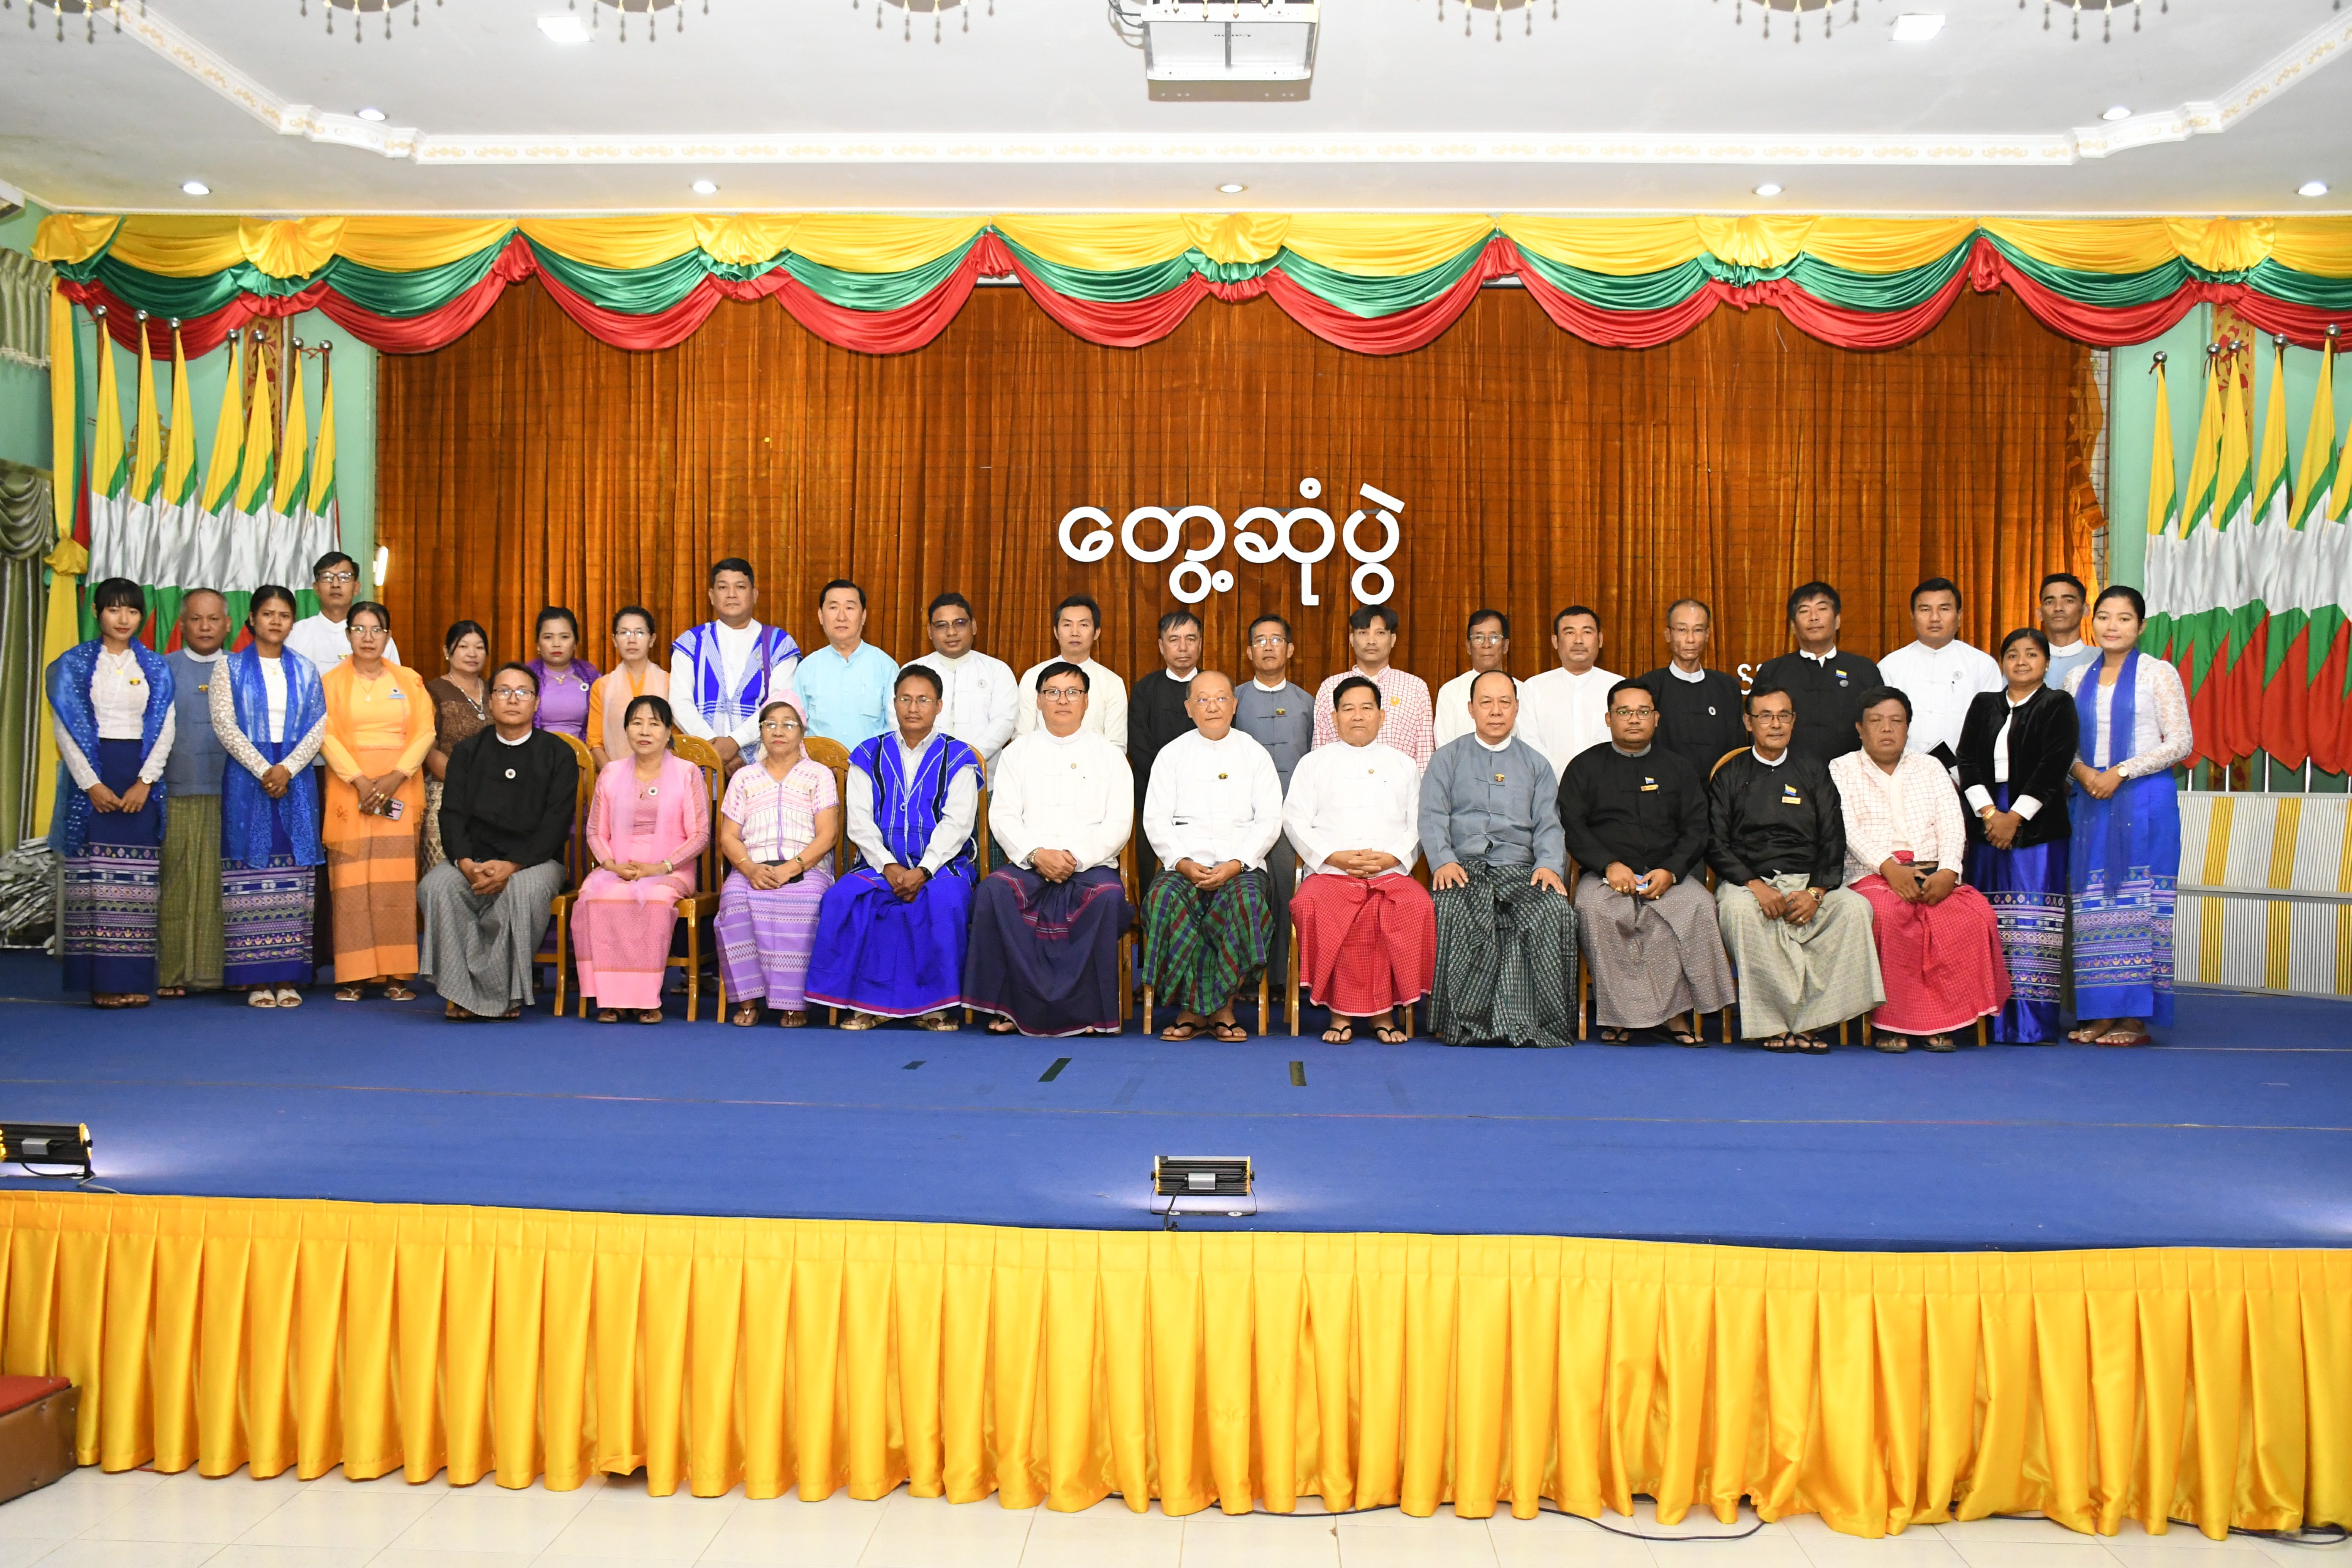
(2312, 188)
(372, 114)
(564, 30)
(198, 188)
(2119, 112)
(1767, 189)
(1918, 26)
(706, 187)
(1232, 188)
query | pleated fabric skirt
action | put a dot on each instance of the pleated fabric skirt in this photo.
(765, 938)
(267, 918)
(2123, 933)
(114, 889)
(188, 938)
(2027, 890)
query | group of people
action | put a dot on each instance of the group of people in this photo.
(1937, 838)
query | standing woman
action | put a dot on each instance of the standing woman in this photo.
(111, 703)
(461, 707)
(778, 820)
(637, 675)
(270, 714)
(379, 728)
(2016, 747)
(563, 678)
(2126, 855)
(650, 819)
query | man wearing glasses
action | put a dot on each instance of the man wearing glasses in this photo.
(1279, 714)
(325, 639)
(1635, 818)
(1801, 940)
(1489, 642)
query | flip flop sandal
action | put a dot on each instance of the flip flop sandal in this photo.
(454, 1014)
(349, 992)
(1685, 1037)
(861, 1021)
(1893, 1045)
(1810, 1046)
(2116, 1037)
(1178, 1033)
(513, 1012)
(650, 1015)
(1616, 1037)
(171, 993)
(608, 1015)
(745, 1016)
(1390, 1035)
(394, 991)
(289, 997)
(795, 1020)
(1229, 1034)
(1003, 1027)
(1339, 1035)
(937, 1023)
(1781, 1044)
(1941, 1044)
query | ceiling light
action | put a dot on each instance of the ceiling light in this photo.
(1767, 189)
(373, 115)
(198, 188)
(706, 187)
(1918, 26)
(1232, 188)
(564, 30)
(2312, 188)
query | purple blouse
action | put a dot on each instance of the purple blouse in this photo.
(563, 697)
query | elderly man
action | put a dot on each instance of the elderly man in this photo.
(1938, 672)
(188, 945)
(1825, 683)
(1046, 925)
(1635, 818)
(1938, 943)
(505, 812)
(890, 935)
(1564, 707)
(1698, 708)
(1505, 932)
(1775, 839)
(1488, 640)
(1366, 931)
(1279, 714)
(1404, 698)
(1213, 810)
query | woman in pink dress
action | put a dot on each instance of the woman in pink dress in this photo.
(650, 818)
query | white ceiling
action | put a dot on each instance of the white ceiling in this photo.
(1657, 104)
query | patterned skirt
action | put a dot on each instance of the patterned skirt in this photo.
(2027, 890)
(1045, 955)
(765, 937)
(1365, 944)
(266, 914)
(112, 889)
(188, 947)
(2123, 916)
(1200, 949)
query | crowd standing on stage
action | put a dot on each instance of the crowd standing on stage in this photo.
(1938, 840)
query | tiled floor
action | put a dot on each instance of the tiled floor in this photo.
(146, 1520)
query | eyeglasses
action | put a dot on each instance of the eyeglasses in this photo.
(1488, 639)
(1268, 641)
(1062, 693)
(1774, 716)
(338, 578)
(512, 691)
(1633, 712)
(782, 726)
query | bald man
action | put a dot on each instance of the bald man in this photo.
(188, 946)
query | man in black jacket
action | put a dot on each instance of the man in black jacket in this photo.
(1698, 708)
(1825, 684)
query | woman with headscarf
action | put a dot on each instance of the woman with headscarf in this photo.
(111, 710)
(378, 728)
(780, 817)
(650, 817)
(2015, 748)
(270, 713)
(461, 706)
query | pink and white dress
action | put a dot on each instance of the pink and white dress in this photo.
(621, 929)
(765, 937)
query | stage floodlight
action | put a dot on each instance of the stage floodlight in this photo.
(1202, 1183)
(30, 1143)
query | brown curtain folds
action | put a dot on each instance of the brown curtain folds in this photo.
(527, 464)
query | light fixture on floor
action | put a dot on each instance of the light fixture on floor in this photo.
(1202, 1184)
(30, 1143)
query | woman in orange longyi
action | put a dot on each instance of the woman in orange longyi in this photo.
(378, 728)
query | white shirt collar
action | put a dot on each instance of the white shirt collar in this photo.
(1072, 738)
(1262, 686)
(1818, 658)
(1769, 762)
(1183, 679)
(523, 740)
(2065, 649)
(212, 658)
(1502, 745)
(1693, 678)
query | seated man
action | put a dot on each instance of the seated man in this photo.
(1213, 810)
(1775, 839)
(1506, 931)
(1635, 818)
(505, 812)
(1367, 932)
(890, 935)
(1046, 925)
(1938, 944)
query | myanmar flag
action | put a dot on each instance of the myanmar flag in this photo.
(2305, 621)
(110, 478)
(2162, 564)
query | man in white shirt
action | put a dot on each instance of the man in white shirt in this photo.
(1489, 642)
(2063, 602)
(1366, 931)
(1939, 673)
(722, 672)
(1564, 711)
(1046, 925)
(1212, 811)
(1077, 627)
(977, 706)
(324, 639)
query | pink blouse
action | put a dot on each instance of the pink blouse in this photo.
(667, 819)
(777, 818)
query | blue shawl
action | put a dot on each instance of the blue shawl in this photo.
(2122, 717)
(907, 809)
(69, 676)
(248, 814)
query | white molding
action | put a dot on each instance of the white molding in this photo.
(2196, 118)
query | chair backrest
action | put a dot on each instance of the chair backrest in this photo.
(575, 847)
(836, 755)
(1723, 759)
(980, 857)
(705, 756)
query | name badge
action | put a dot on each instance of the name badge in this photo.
(1648, 784)
(1282, 712)
(1499, 778)
(398, 695)
(1221, 775)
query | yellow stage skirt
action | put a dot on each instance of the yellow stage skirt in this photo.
(1877, 1389)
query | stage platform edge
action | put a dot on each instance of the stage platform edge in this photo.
(2209, 1388)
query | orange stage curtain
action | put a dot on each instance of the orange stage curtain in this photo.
(528, 464)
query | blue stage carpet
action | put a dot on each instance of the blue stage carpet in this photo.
(2237, 1133)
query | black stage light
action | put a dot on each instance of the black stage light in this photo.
(1202, 1183)
(30, 1143)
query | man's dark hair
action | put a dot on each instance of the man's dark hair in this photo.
(907, 672)
(1765, 689)
(1937, 586)
(512, 664)
(2066, 578)
(943, 600)
(1701, 606)
(1063, 666)
(1813, 590)
(1575, 610)
(1480, 617)
(1174, 618)
(821, 594)
(1277, 620)
(332, 558)
(732, 563)
(118, 593)
(1611, 701)
(1878, 694)
(1354, 683)
(1367, 614)
(1079, 602)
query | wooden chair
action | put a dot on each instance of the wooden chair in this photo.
(700, 907)
(575, 863)
(1147, 1004)
(835, 755)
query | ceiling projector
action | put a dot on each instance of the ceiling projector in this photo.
(1225, 40)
